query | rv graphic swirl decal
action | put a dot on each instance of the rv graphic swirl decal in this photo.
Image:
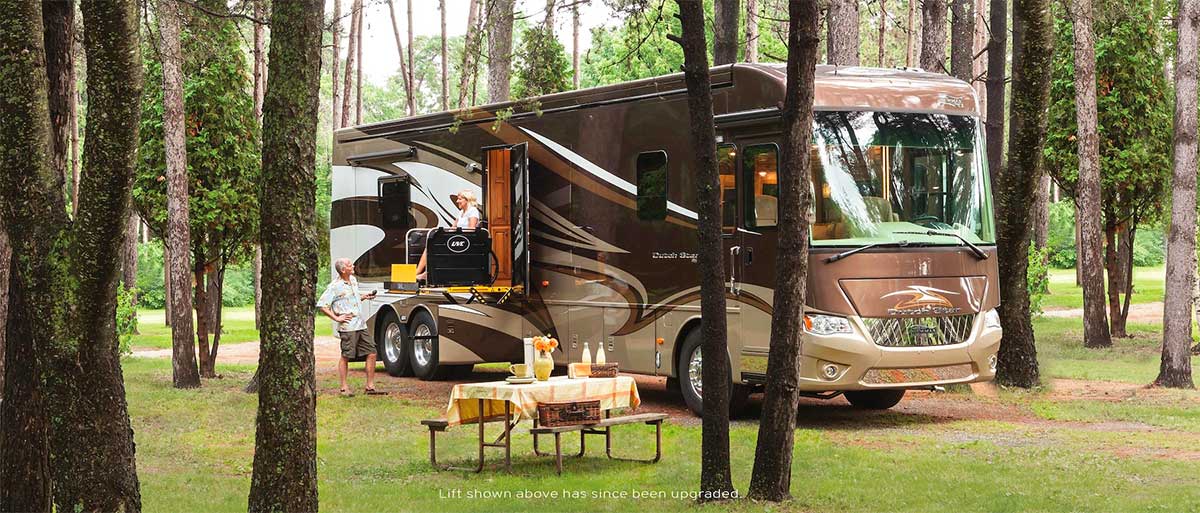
(920, 299)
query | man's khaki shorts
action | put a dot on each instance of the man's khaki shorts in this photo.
(356, 344)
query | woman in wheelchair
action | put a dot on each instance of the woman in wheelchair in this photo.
(468, 218)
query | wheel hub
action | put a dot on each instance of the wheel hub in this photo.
(695, 372)
(422, 347)
(392, 342)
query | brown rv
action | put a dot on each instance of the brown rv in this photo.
(587, 198)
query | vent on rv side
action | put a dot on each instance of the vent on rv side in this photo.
(394, 199)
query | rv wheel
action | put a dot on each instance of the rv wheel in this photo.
(391, 344)
(424, 344)
(689, 379)
(874, 399)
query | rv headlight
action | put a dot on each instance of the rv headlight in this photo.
(826, 324)
(991, 319)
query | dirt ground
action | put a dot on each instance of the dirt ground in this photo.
(1138, 313)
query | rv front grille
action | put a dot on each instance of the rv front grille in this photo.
(919, 331)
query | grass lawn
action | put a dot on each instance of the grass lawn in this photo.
(1147, 287)
(238, 323)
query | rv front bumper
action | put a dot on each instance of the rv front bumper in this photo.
(853, 361)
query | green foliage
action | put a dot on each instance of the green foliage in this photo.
(222, 142)
(638, 48)
(1060, 235)
(1134, 110)
(1038, 279)
(151, 292)
(542, 66)
(127, 321)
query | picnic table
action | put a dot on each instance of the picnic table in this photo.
(500, 401)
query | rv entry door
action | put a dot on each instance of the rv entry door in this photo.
(506, 202)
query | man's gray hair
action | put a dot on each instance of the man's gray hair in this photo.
(340, 264)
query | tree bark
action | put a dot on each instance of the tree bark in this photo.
(1041, 212)
(470, 43)
(5, 253)
(979, 56)
(882, 33)
(358, 49)
(997, 57)
(933, 36)
(260, 83)
(59, 21)
(714, 464)
(336, 62)
(1089, 219)
(725, 31)
(92, 447)
(285, 447)
(410, 84)
(843, 41)
(1175, 369)
(351, 49)
(202, 310)
(962, 40)
(185, 373)
(1032, 50)
(404, 65)
(574, 44)
(34, 212)
(751, 31)
(1114, 269)
(445, 97)
(129, 258)
(912, 34)
(500, 30)
(773, 455)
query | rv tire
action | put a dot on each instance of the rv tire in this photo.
(393, 347)
(874, 399)
(687, 379)
(424, 354)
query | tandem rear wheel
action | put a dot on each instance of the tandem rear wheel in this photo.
(423, 356)
(689, 371)
(392, 346)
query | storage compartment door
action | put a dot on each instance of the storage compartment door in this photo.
(519, 181)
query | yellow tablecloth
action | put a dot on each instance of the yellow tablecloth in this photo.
(618, 392)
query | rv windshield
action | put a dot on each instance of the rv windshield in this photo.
(878, 174)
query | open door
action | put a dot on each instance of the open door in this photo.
(520, 215)
(506, 202)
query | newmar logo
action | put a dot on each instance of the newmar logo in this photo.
(919, 299)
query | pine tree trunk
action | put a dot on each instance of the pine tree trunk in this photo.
(725, 31)
(714, 463)
(1175, 369)
(1113, 270)
(285, 446)
(336, 62)
(202, 309)
(351, 52)
(92, 447)
(1041, 211)
(260, 83)
(445, 96)
(1032, 51)
(358, 48)
(5, 253)
(410, 84)
(574, 43)
(979, 56)
(185, 372)
(470, 43)
(843, 40)
(167, 301)
(1091, 241)
(30, 210)
(996, 78)
(500, 30)
(933, 36)
(879, 60)
(129, 258)
(404, 65)
(59, 21)
(773, 456)
(912, 34)
(962, 38)
(751, 31)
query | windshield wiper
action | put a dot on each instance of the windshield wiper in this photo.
(974, 249)
(844, 254)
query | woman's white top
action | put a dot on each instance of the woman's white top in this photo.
(464, 218)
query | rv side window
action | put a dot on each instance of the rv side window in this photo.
(759, 168)
(394, 202)
(652, 185)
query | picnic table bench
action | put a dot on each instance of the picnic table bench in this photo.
(480, 403)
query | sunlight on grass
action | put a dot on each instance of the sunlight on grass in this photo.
(1147, 287)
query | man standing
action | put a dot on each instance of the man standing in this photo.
(342, 303)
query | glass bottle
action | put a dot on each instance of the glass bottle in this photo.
(600, 354)
(587, 354)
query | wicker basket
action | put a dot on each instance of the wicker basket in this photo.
(604, 370)
(568, 414)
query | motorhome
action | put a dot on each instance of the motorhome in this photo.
(588, 199)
